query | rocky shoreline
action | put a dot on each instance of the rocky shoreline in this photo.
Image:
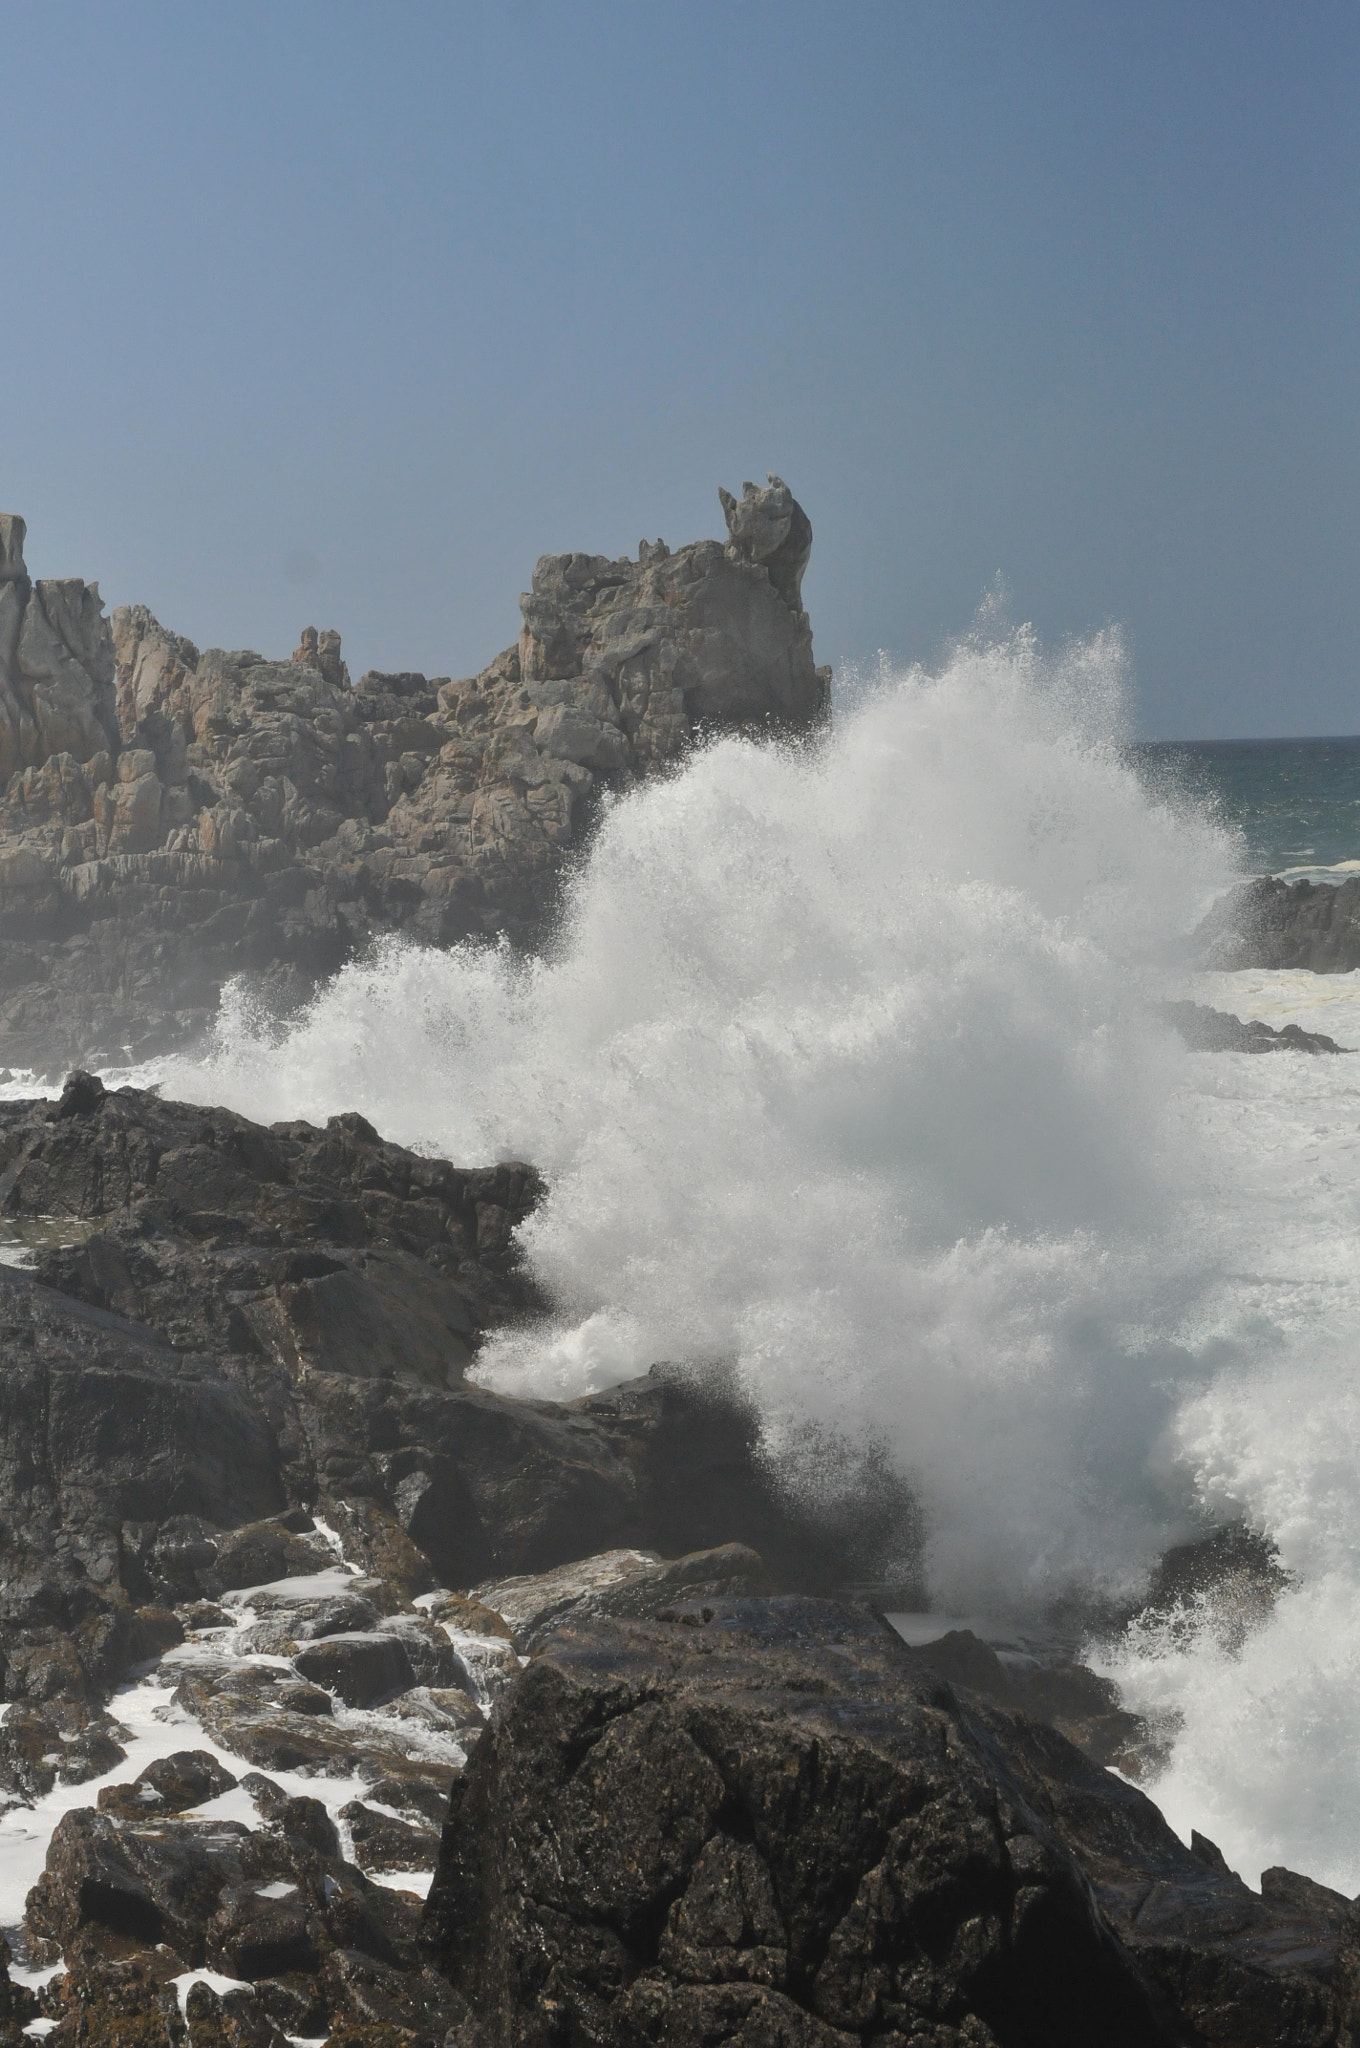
(348, 1700)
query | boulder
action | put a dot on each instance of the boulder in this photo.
(762, 1823)
(361, 1669)
(1272, 923)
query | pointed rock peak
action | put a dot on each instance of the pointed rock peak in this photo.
(769, 526)
(12, 534)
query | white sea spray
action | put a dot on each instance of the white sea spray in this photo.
(845, 1069)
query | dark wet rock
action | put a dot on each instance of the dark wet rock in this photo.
(431, 1656)
(294, 2004)
(247, 1902)
(18, 2005)
(262, 1551)
(359, 1992)
(361, 1669)
(774, 1824)
(154, 1631)
(382, 1843)
(464, 1612)
(631, 1582)
(204, 1614)
(30, 1751)
(188, 1777)
(304, 1817)
(267, 1931)
(304, 1699)
(1077, 1702)
(243, 1710)
(1207, 1030)
(443, 1710)
(1271, 923)
(92, 1753)
(691, 1446)
(171, 817)
(161, 1415)
(116, 1995)
(229, 2019)
(155, 1880)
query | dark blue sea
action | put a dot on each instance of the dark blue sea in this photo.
(1296, 801)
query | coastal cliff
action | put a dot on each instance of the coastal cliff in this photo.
(172, 817)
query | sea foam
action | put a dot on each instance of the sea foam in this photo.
(844, 1068)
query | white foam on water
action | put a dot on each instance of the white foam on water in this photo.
(1330, 872)
(845, 1070)
(417, 1881)
(214, 1980)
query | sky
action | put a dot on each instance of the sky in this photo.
(343, 314)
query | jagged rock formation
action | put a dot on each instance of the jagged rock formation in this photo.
(1208, 1030)
(1270, 923)
(56, 665)
(744, 1820)
(173, 817)
(240, 1452)
(245, 1321)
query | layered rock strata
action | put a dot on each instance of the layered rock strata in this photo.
(172, 817)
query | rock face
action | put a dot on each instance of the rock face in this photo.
(1206, 1030)
(756, 1821)
(1270, 923)
(246, 1322)
(56, 666)
(172, 817)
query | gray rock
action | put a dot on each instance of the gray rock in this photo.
(170, 817)
(13, 531)
(1271, 923)
(770, 527)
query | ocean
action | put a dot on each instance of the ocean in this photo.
(846, 1067)
(1296, 803)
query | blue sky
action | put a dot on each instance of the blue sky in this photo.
(345, 313)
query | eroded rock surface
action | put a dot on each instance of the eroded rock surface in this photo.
(171, 817)
(754, 1821)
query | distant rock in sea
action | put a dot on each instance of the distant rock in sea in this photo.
(1207, 1030)
(172, 818)
(1271, 923)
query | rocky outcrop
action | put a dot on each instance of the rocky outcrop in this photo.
(171, 817)
(757, 1821)
(246, 1322)
(1208, 1030)
(1271, 923)
(56, 666)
